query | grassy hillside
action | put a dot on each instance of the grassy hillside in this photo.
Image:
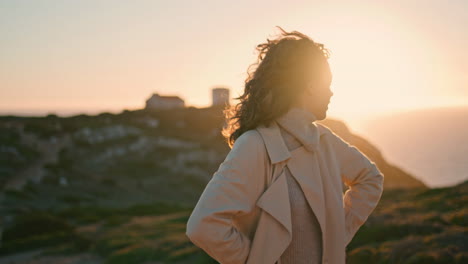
(416, 226)
(119, 187)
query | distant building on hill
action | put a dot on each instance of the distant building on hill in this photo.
(220, 96)
(157, 101)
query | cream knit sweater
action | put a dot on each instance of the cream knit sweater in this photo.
(306, 244)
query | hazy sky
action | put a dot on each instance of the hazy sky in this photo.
(66, 56)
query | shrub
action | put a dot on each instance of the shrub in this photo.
(39, 229)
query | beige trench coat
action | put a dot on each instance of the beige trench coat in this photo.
(243, 215)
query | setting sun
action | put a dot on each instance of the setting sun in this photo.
(384, 56)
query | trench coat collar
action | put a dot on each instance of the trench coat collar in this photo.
(299, 123)
(275, 145)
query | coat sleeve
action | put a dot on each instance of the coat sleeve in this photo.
(233, 190)
(365, 183)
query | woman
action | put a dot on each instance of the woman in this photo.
(278, 195)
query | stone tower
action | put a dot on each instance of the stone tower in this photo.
(220, 96)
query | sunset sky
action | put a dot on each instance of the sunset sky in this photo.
(93, 56)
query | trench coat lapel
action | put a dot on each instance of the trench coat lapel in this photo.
(275, 199)
(274, 229)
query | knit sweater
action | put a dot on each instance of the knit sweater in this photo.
(306, 244)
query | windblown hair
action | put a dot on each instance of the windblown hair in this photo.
(274, 82)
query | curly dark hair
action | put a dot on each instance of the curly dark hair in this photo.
(283, 67)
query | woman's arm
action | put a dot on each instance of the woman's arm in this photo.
(233, 190)
(365, 183)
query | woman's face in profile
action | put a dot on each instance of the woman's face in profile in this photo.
(318, 93)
